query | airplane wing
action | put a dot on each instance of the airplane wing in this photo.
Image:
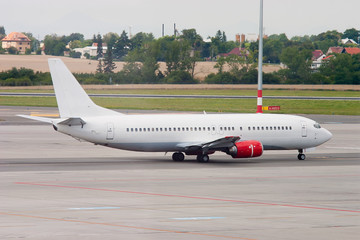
(219, 144)
(41, 119)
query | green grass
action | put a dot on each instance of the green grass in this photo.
(330, 107)
(230, 92)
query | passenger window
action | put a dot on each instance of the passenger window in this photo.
(135, 129)
(208, 128)
(144, 129)
(262, 128)
(157, 129)
(270, 128)
(253, 128)
(127, 129)
(187, 129)
(213, 128)
(225, 128)
(258, 128)
(220, 128)
(267, 128)
(195, 129)
(240, 128)
(290, 127)
(140, 129)
(286, 128)
(233, 128)
(282, 128)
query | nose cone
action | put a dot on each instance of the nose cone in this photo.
(326, 135)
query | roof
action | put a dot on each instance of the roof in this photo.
(352, 51)
(347, 40)
(328, 57)
(16, 37)
(236, 51)
(317, 54)
(335, 49)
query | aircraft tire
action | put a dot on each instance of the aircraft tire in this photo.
(178, 157)
(203, 158)
(301, 156)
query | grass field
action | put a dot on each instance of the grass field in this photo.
(227, 92)
(330, 107)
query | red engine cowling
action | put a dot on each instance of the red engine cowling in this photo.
(246, 149)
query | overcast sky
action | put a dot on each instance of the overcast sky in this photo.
(293, 17)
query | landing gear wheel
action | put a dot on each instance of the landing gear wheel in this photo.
(203, 158)
(178, 157)
(301, 156)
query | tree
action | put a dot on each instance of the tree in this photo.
(2, 32)
(99, 50)
(55, 45)
(141, 38)
(110, 38)
(109, 64)
(298, 63)
(122, 46)
(351, 33)
(75, 44)
(99, 68)
(75, 36)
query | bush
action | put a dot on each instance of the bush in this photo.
(12, 50)
(180, 77)
(221, 78)
(28, 51)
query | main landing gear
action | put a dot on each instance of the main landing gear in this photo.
(301, 156)
(178, 157)
(204, 158)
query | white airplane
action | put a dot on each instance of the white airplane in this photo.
(238, 135)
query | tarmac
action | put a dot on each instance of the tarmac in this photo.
(55, 187)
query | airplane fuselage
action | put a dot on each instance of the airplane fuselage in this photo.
(170, 132)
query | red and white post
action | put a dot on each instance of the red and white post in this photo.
(260, 60)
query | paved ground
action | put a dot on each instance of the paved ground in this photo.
(54, 187)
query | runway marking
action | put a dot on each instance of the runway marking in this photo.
(122, 226)
(191, 197)
(205, 179)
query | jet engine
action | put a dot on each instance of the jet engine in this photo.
(246, 149)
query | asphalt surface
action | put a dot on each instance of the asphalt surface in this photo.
(54, 187)
(186, 96)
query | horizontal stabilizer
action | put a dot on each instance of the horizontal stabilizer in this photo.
(41, 119)
(73, 122)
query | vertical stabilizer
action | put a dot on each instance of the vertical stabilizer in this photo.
(71, 98)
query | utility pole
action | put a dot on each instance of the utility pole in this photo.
(260, 75)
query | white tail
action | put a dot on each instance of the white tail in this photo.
(71, 98)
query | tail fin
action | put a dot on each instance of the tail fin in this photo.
(71, 98)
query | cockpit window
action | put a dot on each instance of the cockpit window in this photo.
(317, 125)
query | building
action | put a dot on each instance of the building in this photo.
(334, 50)
(242, 52)
(91, 50)
(17, 40)
(317, 58)
(351, 51)
(347, 41)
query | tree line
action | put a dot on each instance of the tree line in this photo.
(142, 54)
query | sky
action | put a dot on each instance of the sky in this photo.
(63, 17)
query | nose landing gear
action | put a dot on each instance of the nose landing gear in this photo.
(301, 156)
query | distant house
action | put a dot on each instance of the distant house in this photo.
(17, 40)
(351, 51)
(317, 58)
(236, 51)
(334, 50)
(91, 50)
(348, 41)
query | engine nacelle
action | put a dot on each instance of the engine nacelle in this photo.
(246, 149)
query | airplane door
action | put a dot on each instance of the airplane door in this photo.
(303, 129)
(110, 131)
